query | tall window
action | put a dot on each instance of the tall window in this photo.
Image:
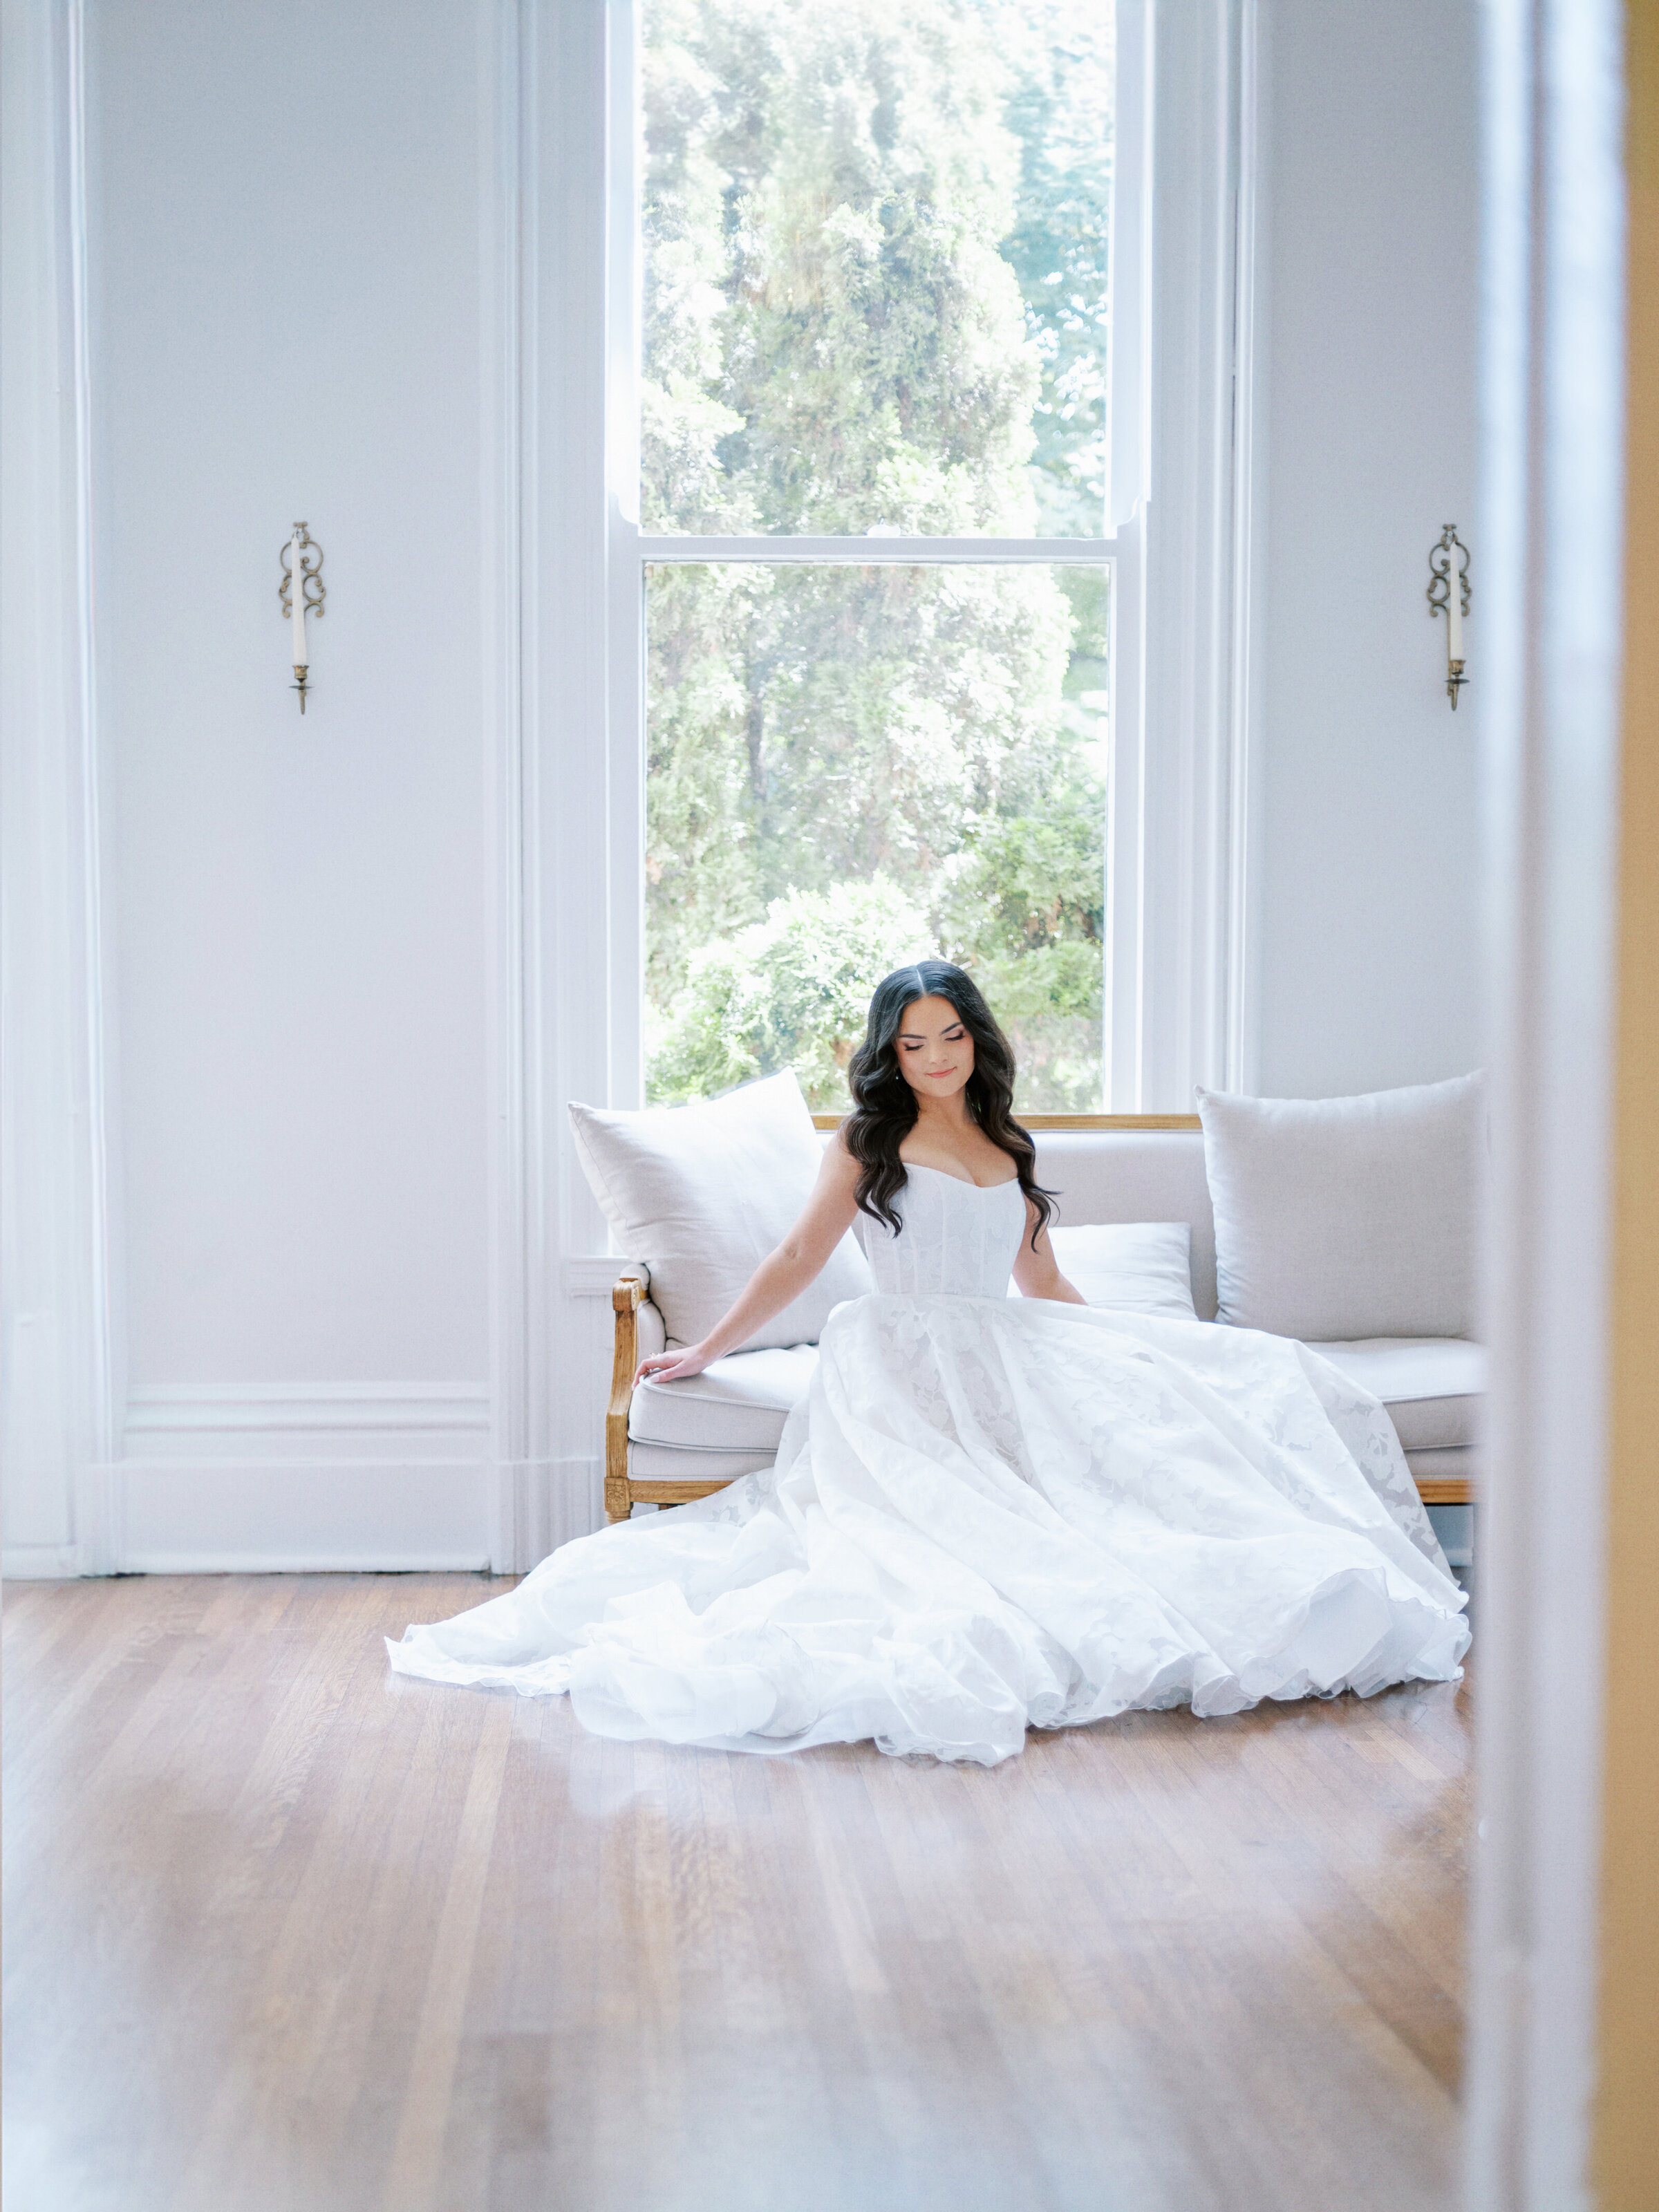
(873, 534)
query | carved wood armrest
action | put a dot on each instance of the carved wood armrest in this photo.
(628, 1294)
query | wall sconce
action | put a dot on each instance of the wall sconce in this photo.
(1449, 595)
(302, 559)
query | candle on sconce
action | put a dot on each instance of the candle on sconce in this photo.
(1447, 586)
(291, 597)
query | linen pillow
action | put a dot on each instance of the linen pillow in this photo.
(1344, 1218)
(1136, 1266)
(702, 1193)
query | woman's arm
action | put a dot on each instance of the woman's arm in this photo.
(1037, 1273)
(781, 1276)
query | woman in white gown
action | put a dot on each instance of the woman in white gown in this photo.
(988, 1513)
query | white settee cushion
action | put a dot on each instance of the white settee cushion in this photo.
(705, 1192)
(691, 1463)
(1338, 1218)
(737, 1404)
(1143, 1266)
(1433, 1387)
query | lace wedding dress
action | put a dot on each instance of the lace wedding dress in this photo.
(989, 1514)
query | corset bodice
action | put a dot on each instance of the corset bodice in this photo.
(957, 1238)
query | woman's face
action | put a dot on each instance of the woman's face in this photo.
(935, 1051)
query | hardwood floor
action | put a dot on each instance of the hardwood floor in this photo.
(284, 1930)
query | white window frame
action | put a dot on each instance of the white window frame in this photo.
(1173, 857)
(571, 561)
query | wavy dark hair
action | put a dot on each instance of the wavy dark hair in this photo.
(884, 1106)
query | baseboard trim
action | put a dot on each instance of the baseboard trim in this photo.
(543, 1503)
(301, 1516)
(40, 1562)
(227, 1515)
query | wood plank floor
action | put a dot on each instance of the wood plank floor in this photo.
(286, 1932)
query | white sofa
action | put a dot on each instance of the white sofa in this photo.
(667, 1442)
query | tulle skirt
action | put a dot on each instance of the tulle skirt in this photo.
(991, 1514)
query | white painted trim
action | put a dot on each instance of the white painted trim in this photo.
(583, 818)
(625, 611)
(1129, 241)
(57, 1357)
(273, 1412)
(106, 1346)
(273, 1409)
(40, 1562)
(320, 1512)
(1186, 747)
(1247, 702)
(887, 550)
(553, 1502)
(302, 1516)
(591, 1274)
(1553, 355)
(1123, 954)
(514, 1173)
(318, 1515)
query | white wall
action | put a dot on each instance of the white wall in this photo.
(283, 252)
(284, 234)
(1365, 954)
(301, 1268)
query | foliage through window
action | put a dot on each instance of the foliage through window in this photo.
(875, 303)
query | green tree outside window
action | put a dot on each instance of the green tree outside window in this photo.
(875, 301)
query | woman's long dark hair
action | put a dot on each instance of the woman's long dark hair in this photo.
(884, 1106)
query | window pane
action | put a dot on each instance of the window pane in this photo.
(876, 265)
(851, 768)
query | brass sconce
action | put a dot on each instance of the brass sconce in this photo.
(1449, 595)
(302, 559)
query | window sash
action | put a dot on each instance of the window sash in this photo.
(885, 550)
(1180, 776)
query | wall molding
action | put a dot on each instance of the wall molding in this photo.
(1246, 703)
(517, 1178)
(293, 1418)
(1179, 787)
(57, 1350)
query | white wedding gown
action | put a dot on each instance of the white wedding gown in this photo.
(989, 1514)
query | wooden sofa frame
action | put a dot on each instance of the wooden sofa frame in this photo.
(632, 1289)
(622, 1491)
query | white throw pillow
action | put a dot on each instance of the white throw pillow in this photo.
(1343, 1217)
(1136, 1266)
(702, 1193)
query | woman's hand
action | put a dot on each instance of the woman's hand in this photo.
(673, 1366)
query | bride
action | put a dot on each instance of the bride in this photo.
(987, 1513)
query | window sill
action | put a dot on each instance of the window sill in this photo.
(1067, 1120)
